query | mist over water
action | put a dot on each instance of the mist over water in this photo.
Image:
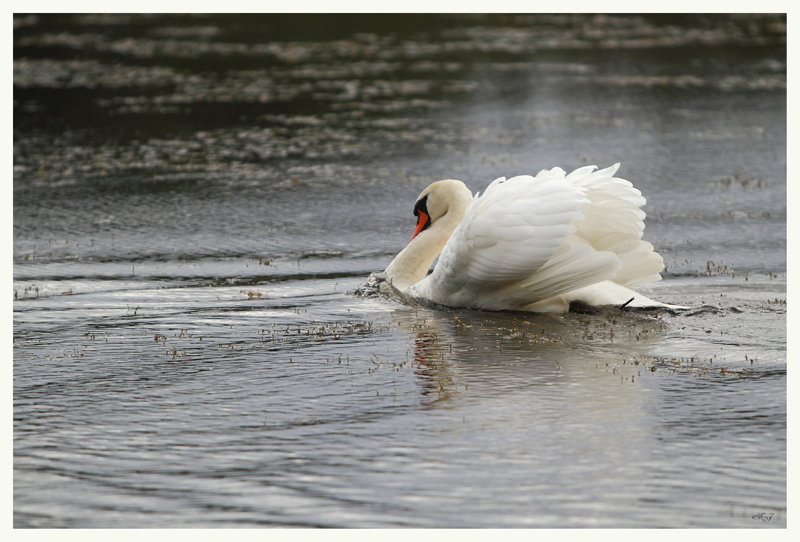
(200, 200)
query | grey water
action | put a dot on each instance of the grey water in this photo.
(199, 202)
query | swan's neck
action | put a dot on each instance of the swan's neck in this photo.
(412, 264)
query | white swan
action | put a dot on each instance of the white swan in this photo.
(530, 243)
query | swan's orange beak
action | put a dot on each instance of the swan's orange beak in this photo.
(422, 220)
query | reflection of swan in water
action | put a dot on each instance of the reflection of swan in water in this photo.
(484, 354)
(545, 413)
(530, 243)
(432, 367)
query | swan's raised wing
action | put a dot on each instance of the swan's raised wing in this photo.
(517, 244)
(614, 223)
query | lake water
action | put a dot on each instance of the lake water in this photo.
(199, 202)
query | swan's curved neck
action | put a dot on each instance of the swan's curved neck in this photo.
(412, 264)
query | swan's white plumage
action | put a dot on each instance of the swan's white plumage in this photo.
(530, 243)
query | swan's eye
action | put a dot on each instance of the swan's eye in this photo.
(421, 205)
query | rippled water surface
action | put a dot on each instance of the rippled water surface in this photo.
(199, 203)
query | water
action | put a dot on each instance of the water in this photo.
(199, 202)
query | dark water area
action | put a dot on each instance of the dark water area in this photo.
(199, 200)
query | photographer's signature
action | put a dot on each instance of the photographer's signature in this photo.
(763, 516)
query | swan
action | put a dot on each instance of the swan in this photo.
(530, 244)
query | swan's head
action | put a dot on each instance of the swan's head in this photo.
(439, 199)
(439, 210)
